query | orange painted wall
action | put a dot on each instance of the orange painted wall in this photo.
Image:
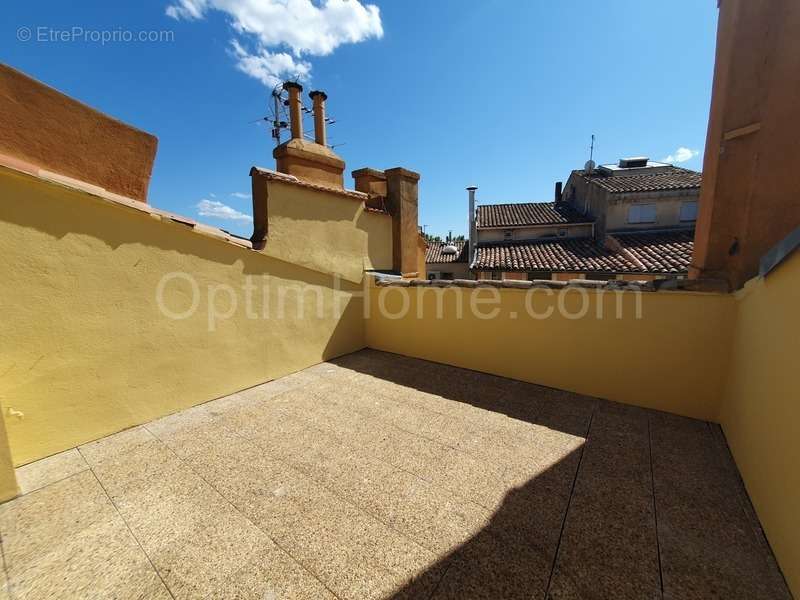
(750, 197)
(44, 127)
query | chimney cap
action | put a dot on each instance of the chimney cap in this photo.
(292, 84)
(318, 93)
(472, 188)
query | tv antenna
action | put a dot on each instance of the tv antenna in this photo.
(590, 164)
(278, 119)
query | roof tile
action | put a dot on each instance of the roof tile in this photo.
(435, 254)
(659, 252)
(670, 178)
(528, 213)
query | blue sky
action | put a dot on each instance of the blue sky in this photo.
(501, 94)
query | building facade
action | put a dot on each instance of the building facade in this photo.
(447, 260)
(633, 220)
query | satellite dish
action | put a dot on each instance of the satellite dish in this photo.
(589, 166)
(450, 249)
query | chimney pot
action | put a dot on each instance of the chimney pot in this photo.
(319, 97)
(295, 108)
(559, 186)
(473, 231)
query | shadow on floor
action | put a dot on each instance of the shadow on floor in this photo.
(650, 506)
(557, 409)
(514, 555)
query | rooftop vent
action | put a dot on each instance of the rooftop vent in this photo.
(633, 162)
(449, 249)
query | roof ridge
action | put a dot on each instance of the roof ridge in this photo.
(516, 203)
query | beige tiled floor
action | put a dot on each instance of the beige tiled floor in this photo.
(379, 476)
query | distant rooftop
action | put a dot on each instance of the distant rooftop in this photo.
(436, 252)
(633, 165)
(528, 213)
(655, 252)
(661, 252)
(664, 177)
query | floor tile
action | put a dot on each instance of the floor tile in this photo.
(99, 562)
(198, 562)
(272, 575)
(50, 470)
(426, 513)
(608, 546)
(471, 477)
(48, 517)
(708, 546)
(114, 445)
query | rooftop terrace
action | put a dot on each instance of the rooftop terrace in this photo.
(380, 476)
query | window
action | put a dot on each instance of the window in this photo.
(689, 211)
(601, 276)
(539, 275)
(497, 275)
(508, 234)
(642, 213)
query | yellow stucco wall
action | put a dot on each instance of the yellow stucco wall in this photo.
(86, 350)
(674, 358)
(379, 239)
(422, 249)
(326, 232)
(8, 482)
(760, 413)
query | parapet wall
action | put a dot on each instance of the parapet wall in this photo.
(115, 313)
(666, 350)
(761, 406)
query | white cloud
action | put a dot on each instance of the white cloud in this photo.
(680, 155)
(218, 210)
(270, 68)
(303, 27)
(239, 195)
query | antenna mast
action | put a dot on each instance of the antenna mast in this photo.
(588, 168)
(277, 124)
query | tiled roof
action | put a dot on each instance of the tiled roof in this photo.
(528, 213)
(654, 252)
(671, 178)
(556, 255)
(660, 252)
(435, 254)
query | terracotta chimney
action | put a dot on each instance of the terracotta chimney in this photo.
(472, 236)
(309, 161)
(295, 109)
(318, 98)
